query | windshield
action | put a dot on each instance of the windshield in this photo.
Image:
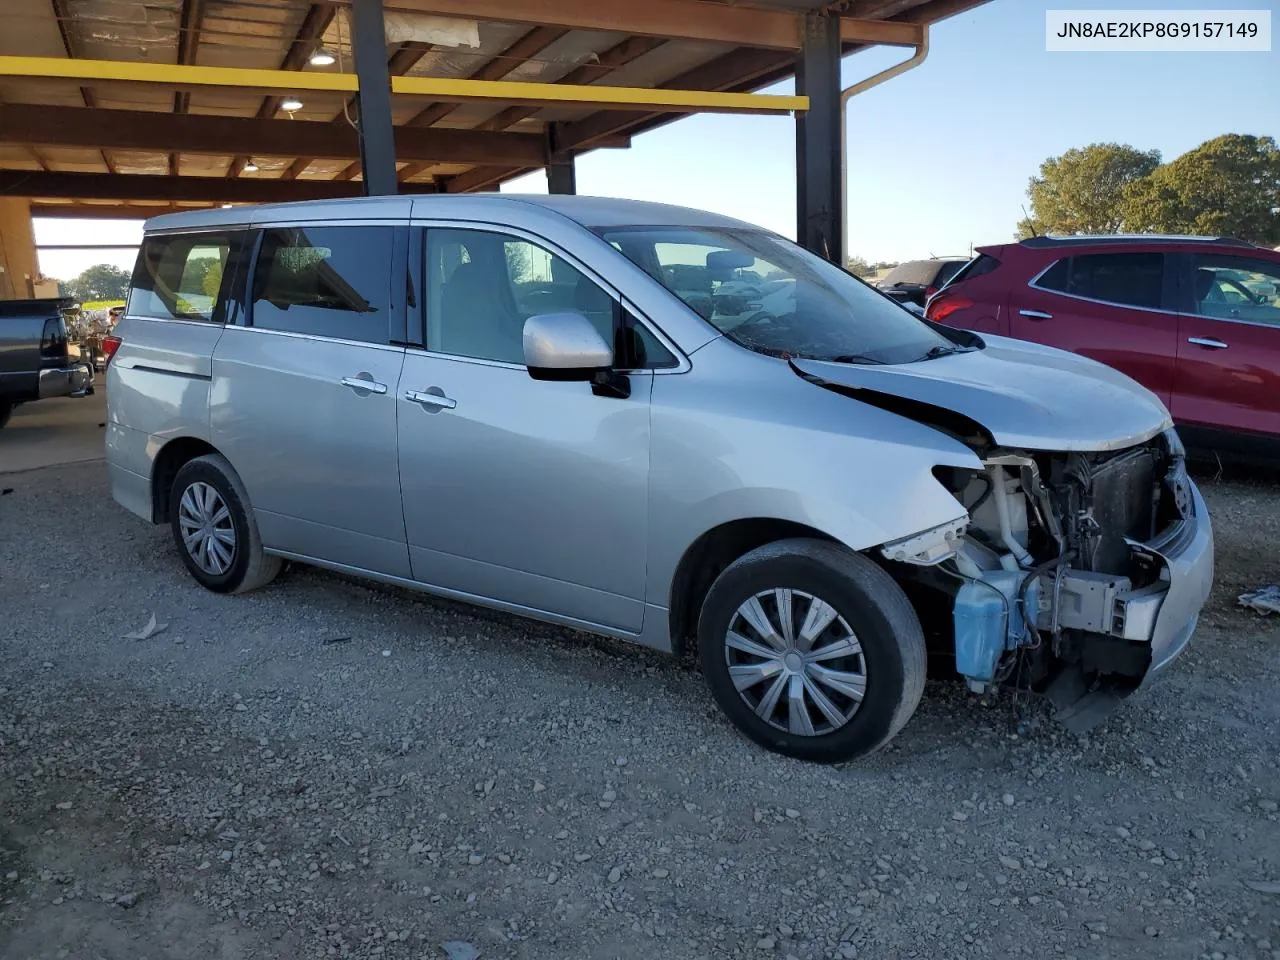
(774, 297)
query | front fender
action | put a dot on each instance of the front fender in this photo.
(742, 437)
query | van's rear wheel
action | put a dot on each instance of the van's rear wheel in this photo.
(812, 650)
(215, 530)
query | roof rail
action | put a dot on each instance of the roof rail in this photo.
(1052, 240)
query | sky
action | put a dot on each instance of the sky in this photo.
(939, 157)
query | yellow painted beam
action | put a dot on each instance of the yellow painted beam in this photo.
(175, 75)
(438, 88)
(644, 99)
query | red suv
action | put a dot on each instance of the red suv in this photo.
(1194, 319)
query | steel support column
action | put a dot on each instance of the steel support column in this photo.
(562, 177)
(819, 190)
(377, 135)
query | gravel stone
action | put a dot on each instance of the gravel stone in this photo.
(372, 810)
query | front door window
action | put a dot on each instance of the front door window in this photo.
(1228, 287)
(482, 286)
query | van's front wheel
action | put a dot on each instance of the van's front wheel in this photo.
(215, 530)
(812, 650)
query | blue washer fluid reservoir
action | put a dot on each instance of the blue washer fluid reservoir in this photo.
(988, 621)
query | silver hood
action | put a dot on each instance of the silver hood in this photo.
(1024, 394)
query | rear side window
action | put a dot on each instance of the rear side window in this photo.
(947, 271)
(981, 264)
(1126, 279)
(185, 276)
(1055, 278)
(325, 281)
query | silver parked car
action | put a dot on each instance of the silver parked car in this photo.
(659, 425)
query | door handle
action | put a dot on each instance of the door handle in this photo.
(364, 383)
(1208, 342)
(428, 399)
(1035, 314)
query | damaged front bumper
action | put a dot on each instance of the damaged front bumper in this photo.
(1187, 552)
(1155, 620)
(1102, 614)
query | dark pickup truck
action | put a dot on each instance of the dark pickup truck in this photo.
(37, 360)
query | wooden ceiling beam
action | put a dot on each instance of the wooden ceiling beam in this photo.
(736, 70)
(480, 178)
(525, 48)
(64, 20)
(190, 20)
(310, 32)
(399, 63)
(100, 186)
(106, 211)
(616, 56)
(665, 19)
(38, 125)
(668, 19)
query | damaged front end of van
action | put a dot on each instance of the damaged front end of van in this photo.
(1085, 553)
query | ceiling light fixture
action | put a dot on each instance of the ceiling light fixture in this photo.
(291, 105)
(250, 167)
(322, 58)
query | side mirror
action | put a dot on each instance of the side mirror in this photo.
(565, 346)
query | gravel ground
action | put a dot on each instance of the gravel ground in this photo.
(325, 768)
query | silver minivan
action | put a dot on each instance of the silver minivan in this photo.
(660, 425)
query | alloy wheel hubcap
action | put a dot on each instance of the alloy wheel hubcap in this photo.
(795, 662)
(207, 530)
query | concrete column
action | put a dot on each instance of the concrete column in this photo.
(19, 267)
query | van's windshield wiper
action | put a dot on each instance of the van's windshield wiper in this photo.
(854, 358)
(934, 353)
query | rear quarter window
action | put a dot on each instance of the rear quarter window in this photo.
(185, 276)
(981, 264)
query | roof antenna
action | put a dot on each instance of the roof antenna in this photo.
(1031, 224)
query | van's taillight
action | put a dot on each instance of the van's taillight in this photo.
(943, 307)
(929, 291)
(110, 345)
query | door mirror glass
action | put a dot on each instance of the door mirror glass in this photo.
(564, 346)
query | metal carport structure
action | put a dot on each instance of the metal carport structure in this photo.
(132, 107)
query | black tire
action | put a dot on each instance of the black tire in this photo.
(871, 604)
(6, 411)
(250, 568)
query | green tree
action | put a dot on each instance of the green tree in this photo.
(858, 267)
(1228, 186)
(205, 273)
(519, 262)
(1081, 191)
(100, 282)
